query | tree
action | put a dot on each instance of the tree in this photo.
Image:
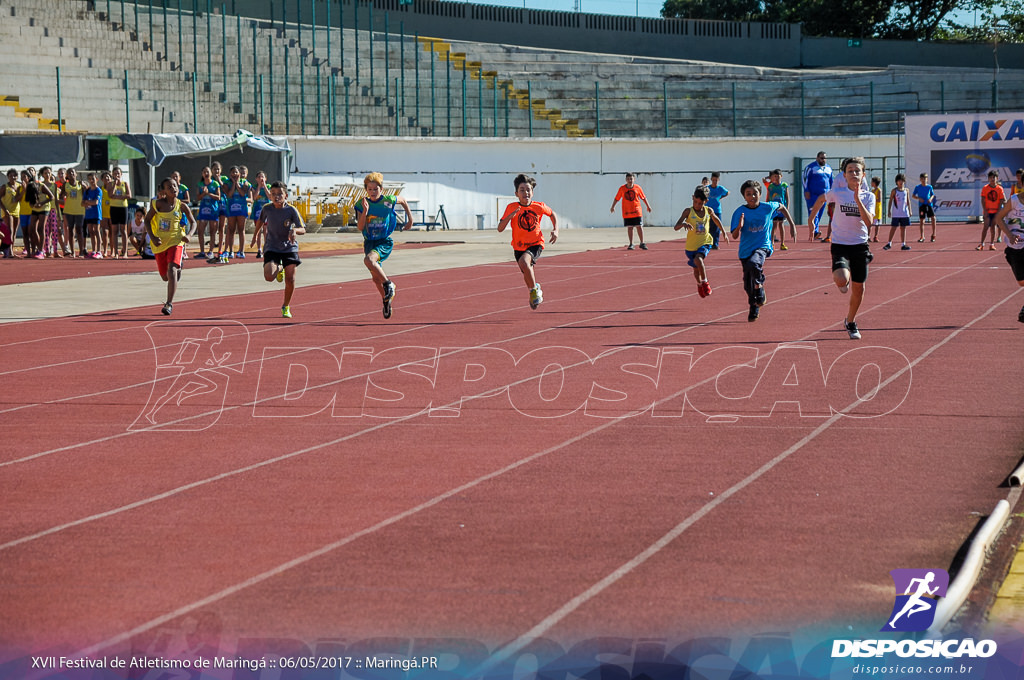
(899, 19)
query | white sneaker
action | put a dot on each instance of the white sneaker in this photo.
(851, 328)
(536, 297)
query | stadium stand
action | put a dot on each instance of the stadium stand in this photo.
(125, 66)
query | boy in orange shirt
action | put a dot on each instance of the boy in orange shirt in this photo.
(631, 194)
(992, 199)
(527, 237)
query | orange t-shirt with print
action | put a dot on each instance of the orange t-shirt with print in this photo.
(526, 230)
(992, 197)
(630, 197)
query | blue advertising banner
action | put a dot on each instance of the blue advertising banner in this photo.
(958, 151)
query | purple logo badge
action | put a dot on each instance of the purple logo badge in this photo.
(917, 593)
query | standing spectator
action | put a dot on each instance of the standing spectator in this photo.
(817, 180)
(717, 193)
(778, 192)
(10, 212)
(925, 195)
(72, 194)
(631, 194)
(992, 199)
(119, 193)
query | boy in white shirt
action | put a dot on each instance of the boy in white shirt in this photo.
(852, 218)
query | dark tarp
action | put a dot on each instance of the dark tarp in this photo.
(39, 150)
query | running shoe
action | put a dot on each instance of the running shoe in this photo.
(286, 312)
(706, 289)
(224, 258)
(991, 246)
(280, 275)
(199, 256)
(629, 247)
(754, 312)
(980, 246)
(259, 253)
(536, 297)
(783, 247)
(643, 246)
(851, 328)
(905, 247)
(389, 290)
(887, 246)
(213, 259)
(387, 308)
(167, 309)
(700, 290)
(827, 239)
(760, 297)
(1020, 317)
(39, 256)
(240, 255)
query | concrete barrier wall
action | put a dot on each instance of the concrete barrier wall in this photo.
(577, 178)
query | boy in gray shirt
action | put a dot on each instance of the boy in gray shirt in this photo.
(281, 254)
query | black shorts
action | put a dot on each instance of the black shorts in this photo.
(632, 221)
(283, 259)
(118, 215)
(534, 252)
(855, 258)
(1015, 257)
(925, 211)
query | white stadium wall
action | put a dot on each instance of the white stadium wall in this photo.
(577, 178)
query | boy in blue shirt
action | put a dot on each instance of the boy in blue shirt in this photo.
(925, 195)
(752, 225)
(717, 193)
(377, 220)
(91, 199)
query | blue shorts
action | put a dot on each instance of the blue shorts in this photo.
(23, 221)
(702, 251)
(901, 221)
(381, 245)
(238, 208)
(207, 213)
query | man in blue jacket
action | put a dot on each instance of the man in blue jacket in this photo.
(817, 178)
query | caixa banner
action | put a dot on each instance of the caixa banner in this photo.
(958, 151)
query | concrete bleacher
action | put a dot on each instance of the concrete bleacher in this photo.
(510, 90)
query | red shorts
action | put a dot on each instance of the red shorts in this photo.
(170, 256)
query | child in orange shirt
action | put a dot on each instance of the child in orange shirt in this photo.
(631, 194)
(527, 237)
(992, 199)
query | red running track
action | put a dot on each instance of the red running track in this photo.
(301, 499)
